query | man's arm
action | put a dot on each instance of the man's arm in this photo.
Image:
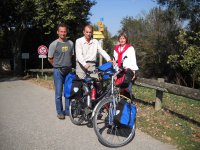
(52, 48)
(50, 61)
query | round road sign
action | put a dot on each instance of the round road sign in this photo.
(42, 50)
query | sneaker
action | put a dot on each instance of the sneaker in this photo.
(60, 116)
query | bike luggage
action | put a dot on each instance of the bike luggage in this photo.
(125, 113)
(107, 69)
(72, 88)
(124, 78)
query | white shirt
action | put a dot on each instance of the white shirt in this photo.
(130, 61)
(88, 51)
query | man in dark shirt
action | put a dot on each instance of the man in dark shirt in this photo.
(59, 55)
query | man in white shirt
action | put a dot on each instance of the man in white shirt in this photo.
(86, 52)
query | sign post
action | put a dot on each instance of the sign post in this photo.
(99, 36)
(100, 58)
(25, 56)
(42, 51)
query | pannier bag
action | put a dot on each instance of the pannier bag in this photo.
(125, 114)
(72, 88)
(107, 69)
(124, 78)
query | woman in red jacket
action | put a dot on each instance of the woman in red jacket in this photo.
(127, 51)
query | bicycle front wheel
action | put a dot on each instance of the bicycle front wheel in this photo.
(109, 133)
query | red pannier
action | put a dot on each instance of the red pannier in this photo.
(124, 78)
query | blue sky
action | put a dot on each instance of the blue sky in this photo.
(114, 10)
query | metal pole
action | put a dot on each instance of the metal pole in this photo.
(42, 66)
(25, 65)
(100, 57)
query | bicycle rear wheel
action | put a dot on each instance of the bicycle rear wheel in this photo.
(109, 133)
(76, 112)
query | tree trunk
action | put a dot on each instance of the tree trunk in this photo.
(17, 52)
(17, 62)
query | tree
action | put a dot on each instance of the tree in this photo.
(153, 38)
(14, 23)
(189, 55)
(186, 10)
(22, 15)
(72, 12)
(185, 60)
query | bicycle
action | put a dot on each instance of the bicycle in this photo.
(81, 107)
(109, 132)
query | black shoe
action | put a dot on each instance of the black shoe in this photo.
(60, 116)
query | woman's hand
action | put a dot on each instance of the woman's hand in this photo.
(114, 62)
(134, 76)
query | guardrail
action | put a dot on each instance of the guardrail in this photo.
(159, 85)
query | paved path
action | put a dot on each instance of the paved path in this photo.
(28, 122)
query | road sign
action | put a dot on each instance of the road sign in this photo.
(98, 35)
(42, 50)
(101, 19)
(42, 56)
(100, 25)
(25, 55)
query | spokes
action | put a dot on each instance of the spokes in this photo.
(76, 112)
(108, 131)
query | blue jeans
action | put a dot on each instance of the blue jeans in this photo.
(59, 80)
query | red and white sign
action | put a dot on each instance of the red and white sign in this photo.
(42, 50)
(42, 56)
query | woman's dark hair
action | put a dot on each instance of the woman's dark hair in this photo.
(124, 35)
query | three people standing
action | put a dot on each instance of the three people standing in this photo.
(87, 48)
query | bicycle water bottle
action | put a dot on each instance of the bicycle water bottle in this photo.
(93, 93)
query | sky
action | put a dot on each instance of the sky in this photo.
(113, 11)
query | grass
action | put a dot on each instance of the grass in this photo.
(48, 82)
(176, 123)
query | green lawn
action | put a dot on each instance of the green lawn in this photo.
(178, 123)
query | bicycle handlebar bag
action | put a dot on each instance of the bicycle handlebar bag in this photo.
(107, 69)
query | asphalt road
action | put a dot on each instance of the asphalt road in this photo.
(28, 122)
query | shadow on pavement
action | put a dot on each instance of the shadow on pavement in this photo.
(9, 76)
